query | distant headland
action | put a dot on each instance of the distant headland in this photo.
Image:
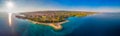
(52, 18)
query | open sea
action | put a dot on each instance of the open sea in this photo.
(105, 24)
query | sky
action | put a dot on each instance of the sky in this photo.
(69, 5)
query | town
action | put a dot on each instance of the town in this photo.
(53, 16)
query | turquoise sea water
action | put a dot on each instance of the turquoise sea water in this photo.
(107, 24)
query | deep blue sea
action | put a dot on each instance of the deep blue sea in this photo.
(105, 24)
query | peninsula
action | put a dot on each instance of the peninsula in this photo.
(54, 19)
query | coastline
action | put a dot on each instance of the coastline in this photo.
(56, 26)
(55, 19)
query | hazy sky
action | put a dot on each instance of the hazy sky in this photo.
(78, 5)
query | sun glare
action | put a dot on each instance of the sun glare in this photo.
(10, 18)
(9, 6)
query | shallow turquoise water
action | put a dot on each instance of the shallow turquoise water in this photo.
(96, 25)
(41, 30)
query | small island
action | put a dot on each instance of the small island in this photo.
(54, 19)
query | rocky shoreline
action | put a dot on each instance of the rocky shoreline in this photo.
(56, 26)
